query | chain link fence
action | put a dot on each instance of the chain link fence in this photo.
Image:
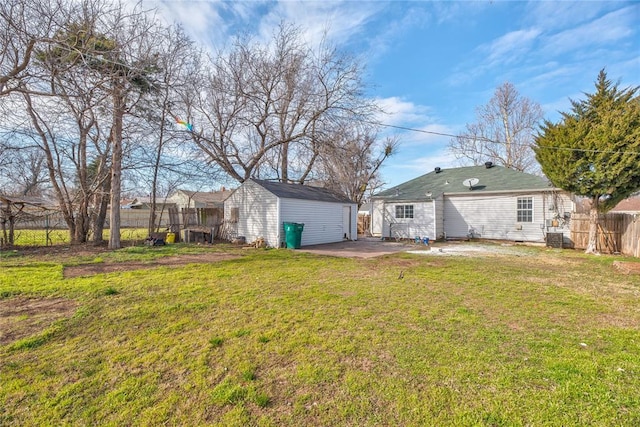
(32, 227)
(43, 227)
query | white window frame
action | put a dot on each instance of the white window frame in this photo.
(403, 210)
(524, 209)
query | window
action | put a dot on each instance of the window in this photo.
(525, 209)
(234, 214)
(404, 211)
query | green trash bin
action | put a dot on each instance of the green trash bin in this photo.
(293, 234)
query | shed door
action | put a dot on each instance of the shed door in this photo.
(346, 222)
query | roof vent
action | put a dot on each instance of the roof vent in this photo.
(437, 169)
(488, 165)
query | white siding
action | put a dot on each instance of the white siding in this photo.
(323, 221)
(377, 217)
(438, 212)
(490, 216)
(494, 217)
(181, 199)
(421, 225)
(262, 214)
(258, 213)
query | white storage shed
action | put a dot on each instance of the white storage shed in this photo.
(258, 209)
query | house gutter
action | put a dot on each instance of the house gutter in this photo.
(393, 199)
(524, 190)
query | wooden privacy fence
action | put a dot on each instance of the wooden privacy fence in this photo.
(364, 223)
(618, 233)
(200, 222)
(205, 217)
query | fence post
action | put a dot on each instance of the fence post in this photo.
(47, 231)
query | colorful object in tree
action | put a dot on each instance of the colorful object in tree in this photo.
(188, 126)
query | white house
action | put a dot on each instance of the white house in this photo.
(489, 202)
(199, 199)
(260, 208)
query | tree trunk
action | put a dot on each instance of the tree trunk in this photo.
(6, 218)
(154, 182)
(284, 164)
(116, 168)
(102, 203)
(594, 219)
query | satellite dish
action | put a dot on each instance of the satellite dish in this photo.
(470, 182)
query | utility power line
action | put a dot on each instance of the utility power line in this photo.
(482, 138)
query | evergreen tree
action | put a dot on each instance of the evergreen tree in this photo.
(594, 150)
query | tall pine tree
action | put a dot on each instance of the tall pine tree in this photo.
(594, 150)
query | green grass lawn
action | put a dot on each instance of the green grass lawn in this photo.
(38, 237)
(283, 338)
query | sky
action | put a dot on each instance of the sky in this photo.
(431, 64)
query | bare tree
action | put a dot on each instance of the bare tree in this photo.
(27, 174)
(161, 162)
(17, 42)
(265, 109)
(64, 106)
(504, 132)
(351, 164)
(97, 63)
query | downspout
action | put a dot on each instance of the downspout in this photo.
(543, 226)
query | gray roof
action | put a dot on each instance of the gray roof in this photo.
(450, 181)
(299, 191)
(208, 196)
(26, 200)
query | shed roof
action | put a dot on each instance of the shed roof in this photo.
(451, 181)
(303, 192)
(207, 196)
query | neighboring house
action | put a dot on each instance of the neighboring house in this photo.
(489, 202)
(199, 199)
(365, 209)
(29, 202)
(144, 203)
(259, 208)
(630, 205)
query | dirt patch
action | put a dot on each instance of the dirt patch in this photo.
(627, 267)
(22, 317)
(84, 270)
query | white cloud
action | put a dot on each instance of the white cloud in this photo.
(508, 48)
(338, 20)
(505, 50)
(610, 28)
(201, 19)
(556, 15)
(381, 40)
(574, 34)
(398, 111)
(410, 164)
(414, 125)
